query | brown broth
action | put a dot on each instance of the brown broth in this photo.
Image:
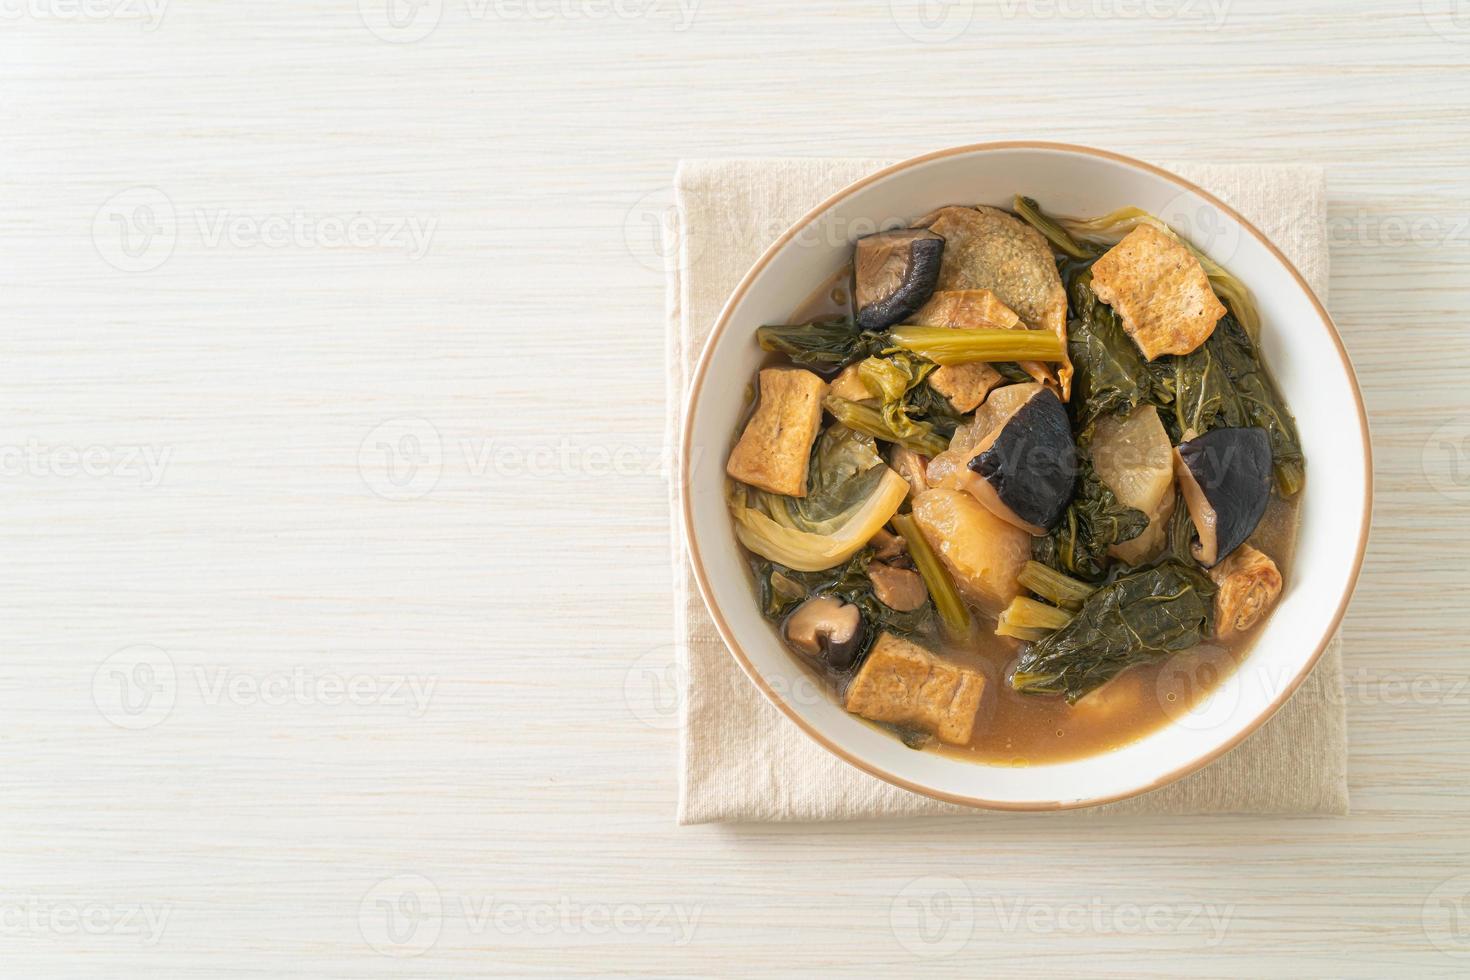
(1021, 730)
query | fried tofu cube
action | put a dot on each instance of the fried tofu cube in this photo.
(903, 684)
(849, 384)
(966, 385)
(1249, 583)
(774, 449)
(1160, 290)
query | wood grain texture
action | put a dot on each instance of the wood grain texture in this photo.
(434, 457)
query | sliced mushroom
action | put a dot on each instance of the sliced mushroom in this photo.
(887, 546)
(911, 466)
(1023, 470)
(1225, 476)
(827, 628)
(897, 588)
(894, 273)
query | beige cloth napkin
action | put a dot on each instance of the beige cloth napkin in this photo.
(740, 759)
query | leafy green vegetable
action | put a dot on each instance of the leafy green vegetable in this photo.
(851, 494)
(1030, 212)
(923, 402)
(942, 591)
(1180, 533)
(824, 345)
(1053, 586)
(1224, 383)
(844, 471)
(1027, 619)
(889, 426)
(780, 590)
(1260, 404)
(1093, 522)
(1136, 618)
(1109, 373)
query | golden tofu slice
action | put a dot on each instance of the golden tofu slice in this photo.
(776, 445)
(1249, 583)
(850, 385)
(903, 684)
(966, 385)
(986, 248)
(1160, 290)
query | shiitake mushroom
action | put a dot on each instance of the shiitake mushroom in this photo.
(1225, 476)
(826, 628)
(1024, 469)
(894, 273)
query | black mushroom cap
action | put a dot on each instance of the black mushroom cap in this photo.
(1027, 465)
(1225, 476)
(894, 274)
(826, 628)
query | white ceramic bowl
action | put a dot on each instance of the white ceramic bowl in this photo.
(1300, 344)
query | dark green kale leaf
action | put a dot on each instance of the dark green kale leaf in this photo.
(1110, 376)
(1092, 522)
(1260, 403)
(1136, 618)
(826, 345)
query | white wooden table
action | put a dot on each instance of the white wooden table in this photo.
(334, 534)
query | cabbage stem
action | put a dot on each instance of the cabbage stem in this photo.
(1027, 619)
(1053, 586)
(947, 346)
(947, 601)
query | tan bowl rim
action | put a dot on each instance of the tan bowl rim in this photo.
(696, 562)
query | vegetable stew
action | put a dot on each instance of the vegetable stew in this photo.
(1018, 487)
